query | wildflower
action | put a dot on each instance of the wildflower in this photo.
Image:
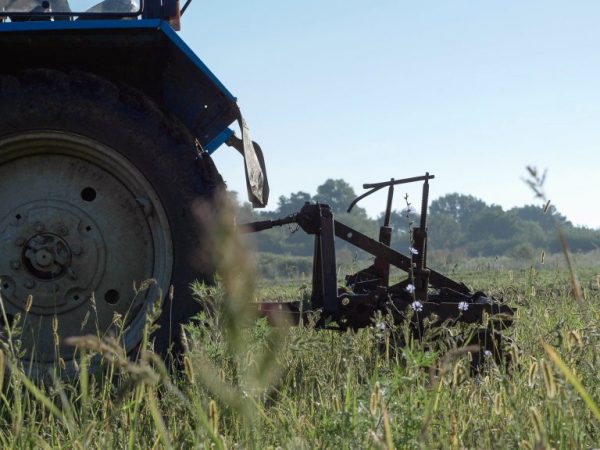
(410, 288)
(417, 306)
(463, 306)
(487, 353)
(413, 250)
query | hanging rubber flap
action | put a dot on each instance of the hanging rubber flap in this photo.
(254, 164)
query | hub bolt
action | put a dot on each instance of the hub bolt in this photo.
(14, 264)
(62, 229)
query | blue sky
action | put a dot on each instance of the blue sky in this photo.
(472, 92)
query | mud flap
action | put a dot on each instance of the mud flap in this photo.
(257, 183)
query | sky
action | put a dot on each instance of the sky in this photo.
(472, 92)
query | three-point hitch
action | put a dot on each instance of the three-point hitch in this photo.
(427, 293)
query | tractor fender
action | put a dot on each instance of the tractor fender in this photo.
(147, 55)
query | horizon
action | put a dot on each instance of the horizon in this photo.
(472, 93)
(374, 213)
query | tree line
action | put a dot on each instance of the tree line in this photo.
(457, 225)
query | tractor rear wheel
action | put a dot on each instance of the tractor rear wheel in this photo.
(97, 188)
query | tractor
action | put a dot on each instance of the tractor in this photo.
(107, 123)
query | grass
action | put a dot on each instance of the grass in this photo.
(246, 385)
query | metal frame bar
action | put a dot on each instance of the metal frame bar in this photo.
(397, 259)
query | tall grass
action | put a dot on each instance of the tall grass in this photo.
(247, 385)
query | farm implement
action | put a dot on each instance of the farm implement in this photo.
(424, 295)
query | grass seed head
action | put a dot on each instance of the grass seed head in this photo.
(532, 374)
(375, 399)
(498, 403)
(213, 416)
(549, 381)
(574, 339)
(188, 368)
(538, 425)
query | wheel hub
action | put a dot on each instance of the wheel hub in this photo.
(56, 254)
(46, 256)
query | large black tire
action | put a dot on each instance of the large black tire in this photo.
(61, 118)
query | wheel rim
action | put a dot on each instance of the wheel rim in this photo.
(80, 226)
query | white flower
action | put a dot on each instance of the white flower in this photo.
(463, 306)
(413, 250)
(410, 288)
(487, 353)
(417, 306)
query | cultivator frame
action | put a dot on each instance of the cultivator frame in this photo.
(429, 294)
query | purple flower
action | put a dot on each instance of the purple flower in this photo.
(463, 306)
(417, 306)
(410, 288)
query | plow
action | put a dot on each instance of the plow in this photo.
(424, 295)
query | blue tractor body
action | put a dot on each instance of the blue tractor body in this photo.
(146, 54)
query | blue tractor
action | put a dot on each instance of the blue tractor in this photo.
(107, 123)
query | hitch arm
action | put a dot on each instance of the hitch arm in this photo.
(253, 227)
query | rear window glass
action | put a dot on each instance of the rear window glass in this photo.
(72, 7)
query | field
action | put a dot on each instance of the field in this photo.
(246, 385)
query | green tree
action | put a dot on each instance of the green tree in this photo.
(292, 204)
(532, 232)
(547, 220)
(338, 194)
(492, 222)
(444, 232)
(461, 208)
